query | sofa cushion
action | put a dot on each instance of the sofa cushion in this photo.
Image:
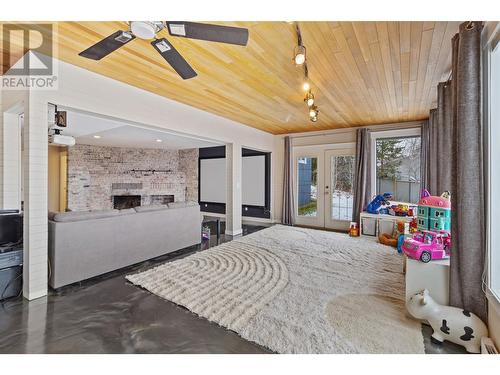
(83, 215)
(153, 207)
(182, 204)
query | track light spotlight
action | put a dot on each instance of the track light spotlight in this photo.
(309, 99)
(299, 55)
(313, 113)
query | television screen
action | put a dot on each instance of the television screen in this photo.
(11, 228)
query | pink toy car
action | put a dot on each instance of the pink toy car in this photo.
(427, 245)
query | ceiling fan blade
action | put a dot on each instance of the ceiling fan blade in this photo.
(107, 45)
(174, 58)
(213, 33)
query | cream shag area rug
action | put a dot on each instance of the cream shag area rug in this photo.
(296, 290)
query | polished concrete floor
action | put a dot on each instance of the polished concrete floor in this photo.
(109, 315)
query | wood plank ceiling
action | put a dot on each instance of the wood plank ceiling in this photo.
(362, 73)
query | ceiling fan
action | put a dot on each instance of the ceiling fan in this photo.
(149, 29)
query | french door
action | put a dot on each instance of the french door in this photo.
(323, 186)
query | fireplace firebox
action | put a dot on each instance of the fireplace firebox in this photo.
(122, 202)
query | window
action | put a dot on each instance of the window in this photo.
(396, 164)
(492, 117)
(342, 178)
(307, 173)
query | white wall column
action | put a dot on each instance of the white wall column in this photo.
(233, 193)
(1, 148)
(35, 159)
(11, 161)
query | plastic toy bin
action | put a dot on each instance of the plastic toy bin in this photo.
(368, 226)
(386, 226)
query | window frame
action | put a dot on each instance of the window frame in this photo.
(490, 43)
(383, 134)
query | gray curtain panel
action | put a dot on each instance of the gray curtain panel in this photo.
(362, 173)
(424, 155)
(437, 161)
(433, 153)
(444, 131)
(288, 212)
(468, 208)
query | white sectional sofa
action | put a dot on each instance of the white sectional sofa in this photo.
(86, 244)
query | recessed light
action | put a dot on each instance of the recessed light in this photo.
(159, 140)
(97, 136)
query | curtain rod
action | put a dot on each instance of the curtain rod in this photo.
(396, 125)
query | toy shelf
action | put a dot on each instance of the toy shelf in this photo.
(373, 224)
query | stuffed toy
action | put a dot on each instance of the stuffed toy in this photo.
(449, 323)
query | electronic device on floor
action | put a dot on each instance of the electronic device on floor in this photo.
(11, 253)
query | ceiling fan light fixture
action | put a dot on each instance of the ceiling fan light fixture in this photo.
(149, 30)
(299, 55)
(144, 29)
(306, 86)
(314, 119)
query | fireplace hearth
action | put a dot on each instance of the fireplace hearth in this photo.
(122, 202)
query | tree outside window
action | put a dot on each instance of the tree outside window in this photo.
(398, 168)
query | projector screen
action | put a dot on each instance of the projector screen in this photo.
(253, 180)
(213, 180)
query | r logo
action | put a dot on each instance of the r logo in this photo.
(28, 49)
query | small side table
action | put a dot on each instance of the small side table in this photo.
(213, 219)
(433, 276)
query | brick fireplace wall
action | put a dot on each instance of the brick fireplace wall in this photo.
(96, 173)
(188, 163)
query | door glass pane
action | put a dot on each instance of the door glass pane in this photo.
(342, 181)
(307, 173)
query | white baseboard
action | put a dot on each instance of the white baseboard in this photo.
(234, 233)
(30, 296)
